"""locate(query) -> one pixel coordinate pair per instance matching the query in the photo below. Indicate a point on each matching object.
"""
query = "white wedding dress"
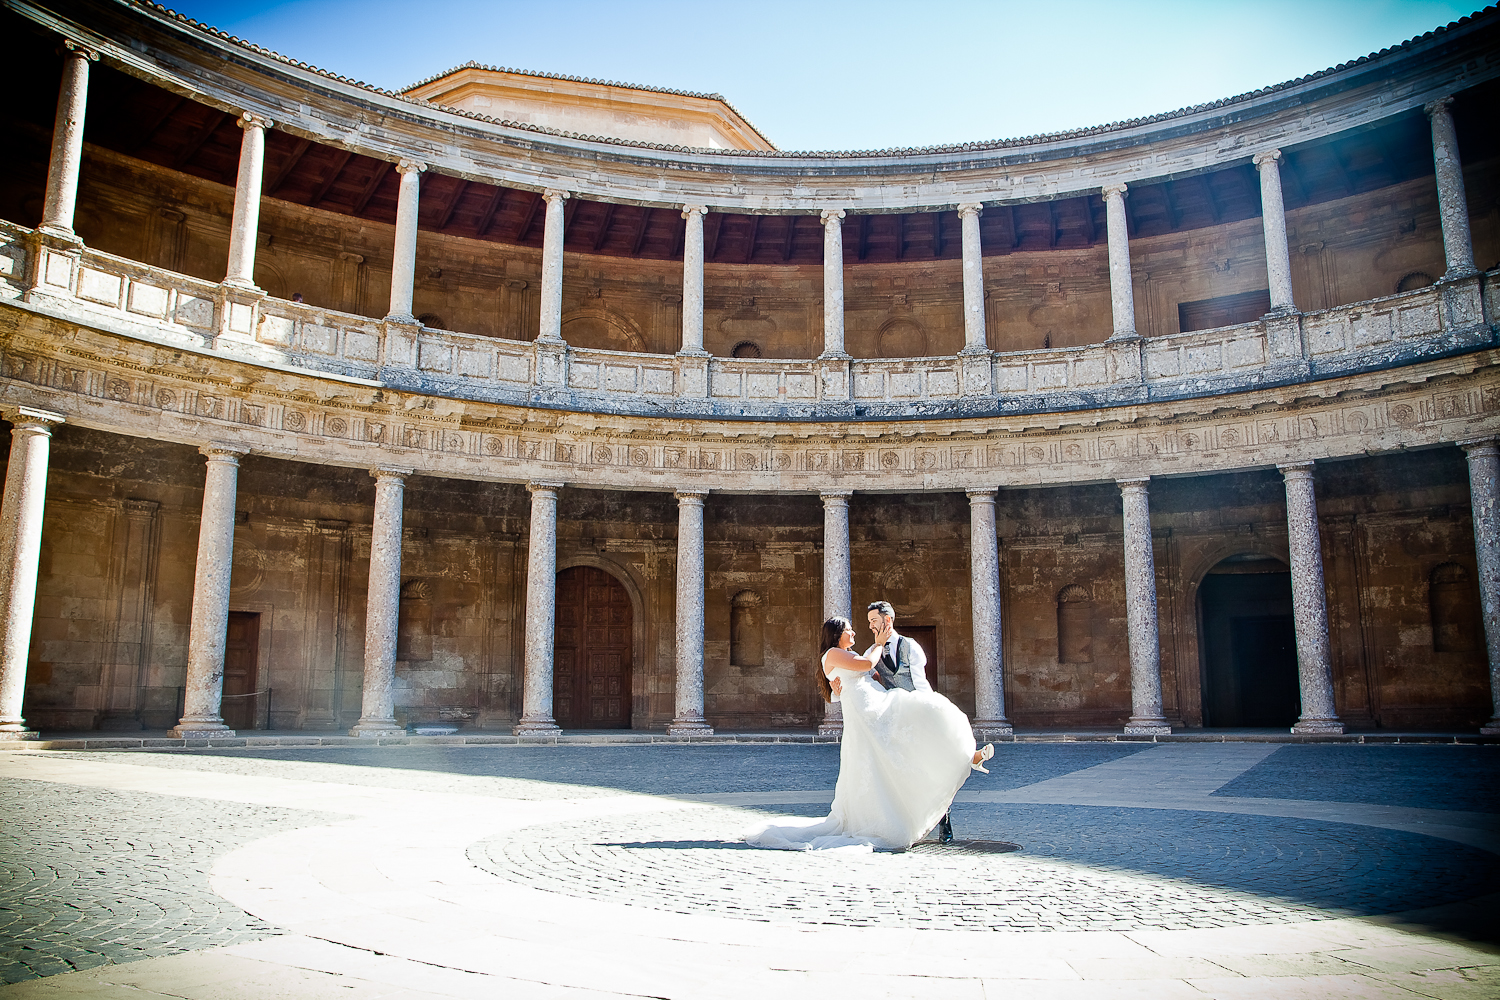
(903, 757)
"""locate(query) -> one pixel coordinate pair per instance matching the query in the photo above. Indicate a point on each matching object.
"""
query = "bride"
(903, 757)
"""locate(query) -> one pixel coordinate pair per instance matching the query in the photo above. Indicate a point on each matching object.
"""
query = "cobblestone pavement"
(1173, 871)
(116, 877)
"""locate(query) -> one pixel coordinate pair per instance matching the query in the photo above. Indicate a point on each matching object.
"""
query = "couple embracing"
(905, 752)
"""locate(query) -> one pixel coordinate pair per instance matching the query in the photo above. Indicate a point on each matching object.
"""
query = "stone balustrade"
(160, 306)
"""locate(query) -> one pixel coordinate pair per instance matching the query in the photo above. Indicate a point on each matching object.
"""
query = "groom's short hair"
(884, 607)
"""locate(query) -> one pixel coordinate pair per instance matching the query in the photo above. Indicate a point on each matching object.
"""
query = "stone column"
(209, 623)
(20, 549)
(377, 713)
(1484, 498)
(984, 576)
(974, 337)
(688, 718)
(1121, 291)
(838, 595)
(833, 284)
(404, 258)
(552, 273)
(1273, 219)
(541, 611)
(67, 142)
(692, 281)
(1453, 206)
(246, 224)
(1140, 612)
(1309, 603)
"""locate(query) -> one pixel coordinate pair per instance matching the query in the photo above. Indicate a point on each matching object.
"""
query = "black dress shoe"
(945, 830)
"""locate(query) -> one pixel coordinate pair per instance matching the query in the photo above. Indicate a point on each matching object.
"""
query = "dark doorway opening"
(591, 651)
(1248, 644)
(241, 702)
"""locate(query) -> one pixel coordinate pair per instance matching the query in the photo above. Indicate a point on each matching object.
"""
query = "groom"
(902, 666)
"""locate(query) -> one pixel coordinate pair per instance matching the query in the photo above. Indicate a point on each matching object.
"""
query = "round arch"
(1245, 636)
(599, 328)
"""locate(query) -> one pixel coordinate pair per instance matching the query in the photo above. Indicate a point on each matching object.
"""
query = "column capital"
(1138, 483)
(1442, 105)
(391, 472)
(1265, 156)
(139, 508)
(688, 211)
(539, 487)
(969, 208)
(690, 496)
(831, 215)
(222, 451)
(1480, 446)
(1295, 470)
(249, 119)
(984, 494)
(835, 496)
(30, 416)
(549, 195)
(78, 50)
(1115, 189)
(410, 166)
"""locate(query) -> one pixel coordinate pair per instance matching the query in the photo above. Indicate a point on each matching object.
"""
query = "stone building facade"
(337, 409)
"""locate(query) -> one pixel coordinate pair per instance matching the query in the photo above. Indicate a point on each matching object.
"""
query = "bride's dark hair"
(833, 631)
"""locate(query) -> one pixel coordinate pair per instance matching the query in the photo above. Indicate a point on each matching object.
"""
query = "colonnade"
(21, 514)
(20, 545)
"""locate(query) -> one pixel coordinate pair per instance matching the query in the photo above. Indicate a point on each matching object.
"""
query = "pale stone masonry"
(1023, 391)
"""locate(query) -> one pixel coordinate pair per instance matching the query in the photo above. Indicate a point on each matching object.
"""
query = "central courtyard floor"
(1095, 870)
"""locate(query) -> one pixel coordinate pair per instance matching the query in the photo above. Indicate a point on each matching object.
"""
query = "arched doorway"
(591, 651)
(1248, 644)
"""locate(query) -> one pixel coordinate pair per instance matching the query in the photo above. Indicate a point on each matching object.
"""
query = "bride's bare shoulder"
(839, 658)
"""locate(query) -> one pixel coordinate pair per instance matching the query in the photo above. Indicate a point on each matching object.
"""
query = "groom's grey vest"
(898, 674)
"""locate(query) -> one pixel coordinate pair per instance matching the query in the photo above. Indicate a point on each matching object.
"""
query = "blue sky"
(871, 75)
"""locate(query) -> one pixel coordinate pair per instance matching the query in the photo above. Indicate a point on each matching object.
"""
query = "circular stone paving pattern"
(1079, 868)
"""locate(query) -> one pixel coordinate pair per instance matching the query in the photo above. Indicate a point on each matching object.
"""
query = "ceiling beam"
(713, 224)
(639, 239)
(452, 205)
(1052, 224)
(679, 233)
(570, 209)
(149, 128)
(294, 156)
(334, 169)
(528, 218)
(791, 233)
(937, 234)
(1174, 217)
(1291, 177)
(1015, 234)
(381, 169)
(863, 239)
(200, 138)
(1090, 231)
(604, 221)
(901, 236)
(487, 217)
(750, 244)
(1209, 199)
(1342, 169)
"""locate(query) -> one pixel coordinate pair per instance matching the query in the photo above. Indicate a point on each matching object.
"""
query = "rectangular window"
(1226, 310)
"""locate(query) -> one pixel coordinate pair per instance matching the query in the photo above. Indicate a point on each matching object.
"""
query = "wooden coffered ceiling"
(140, 120)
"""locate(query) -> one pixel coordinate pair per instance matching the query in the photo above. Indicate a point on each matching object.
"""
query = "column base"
(1123, 336)
(536, 727)
(60, 234)
(1332, 727)
(831, 727)
(18, 735)
(405, 319)
(242, 285)
(187, 730)
(835, 356)
(700, 353)
(992, 729)
(1147, 727)
(689, 727)
(1491, 728)
(376, 727)
(976, 351)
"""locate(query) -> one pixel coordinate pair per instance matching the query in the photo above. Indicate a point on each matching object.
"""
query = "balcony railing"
(160, 306)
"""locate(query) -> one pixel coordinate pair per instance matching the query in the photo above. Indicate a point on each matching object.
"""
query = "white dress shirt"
(918, 660)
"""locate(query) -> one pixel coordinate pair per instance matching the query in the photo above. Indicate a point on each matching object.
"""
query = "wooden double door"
(591, 651)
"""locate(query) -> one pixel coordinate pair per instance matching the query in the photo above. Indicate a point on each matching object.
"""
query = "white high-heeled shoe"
(984, 755)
